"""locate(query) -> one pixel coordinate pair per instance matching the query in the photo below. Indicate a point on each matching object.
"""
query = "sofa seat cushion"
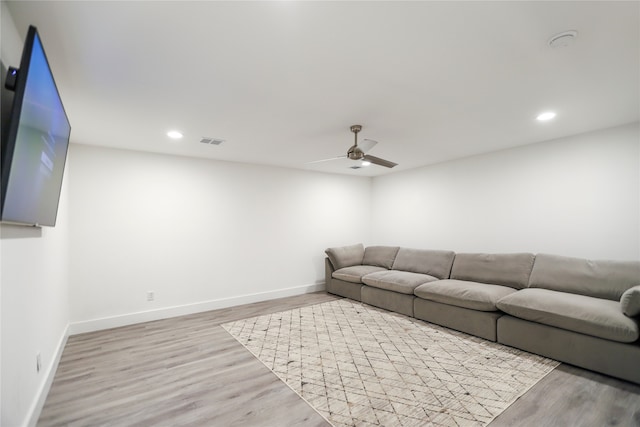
(354, 274)
(403, 282)
(597, 317)
(461, 293)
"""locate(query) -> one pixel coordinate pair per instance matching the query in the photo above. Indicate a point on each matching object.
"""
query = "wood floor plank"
(181, 371)
(570, 396)
(188, 371)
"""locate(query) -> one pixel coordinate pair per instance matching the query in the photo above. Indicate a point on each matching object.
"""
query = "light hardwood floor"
(188, 371)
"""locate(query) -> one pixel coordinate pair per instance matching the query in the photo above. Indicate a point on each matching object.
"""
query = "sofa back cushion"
(424, 261)
(511, 270)
(345, 256)
(599, 279)
(380, 256)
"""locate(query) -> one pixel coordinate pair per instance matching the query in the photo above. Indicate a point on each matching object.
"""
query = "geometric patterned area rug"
(361, 366)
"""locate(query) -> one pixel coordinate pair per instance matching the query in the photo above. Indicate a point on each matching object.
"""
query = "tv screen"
(34, 149)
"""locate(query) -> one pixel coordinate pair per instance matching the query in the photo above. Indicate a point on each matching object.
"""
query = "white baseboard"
(181, 310)
(43, 391)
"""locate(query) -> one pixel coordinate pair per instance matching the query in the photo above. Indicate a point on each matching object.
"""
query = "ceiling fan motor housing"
(355, 153)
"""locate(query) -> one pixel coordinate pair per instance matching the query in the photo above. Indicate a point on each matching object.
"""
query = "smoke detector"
(563, 39)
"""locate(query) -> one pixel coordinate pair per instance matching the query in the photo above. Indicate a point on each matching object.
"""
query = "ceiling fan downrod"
(355, 153)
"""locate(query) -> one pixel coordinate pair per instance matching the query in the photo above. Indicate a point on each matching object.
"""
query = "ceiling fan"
(359, 152)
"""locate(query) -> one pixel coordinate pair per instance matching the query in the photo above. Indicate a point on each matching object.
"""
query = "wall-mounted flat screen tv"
(35, 141)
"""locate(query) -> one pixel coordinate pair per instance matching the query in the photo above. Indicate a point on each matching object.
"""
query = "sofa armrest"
(630, 302)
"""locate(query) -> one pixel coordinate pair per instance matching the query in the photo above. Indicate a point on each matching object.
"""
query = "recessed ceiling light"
(547, 115)
(174, 134)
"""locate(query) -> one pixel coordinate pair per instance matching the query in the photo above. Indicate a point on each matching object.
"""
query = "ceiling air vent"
(212, 141)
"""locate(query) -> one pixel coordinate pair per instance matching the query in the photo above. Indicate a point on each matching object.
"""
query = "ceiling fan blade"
(380, 162)
(326, 160)
(367, 144)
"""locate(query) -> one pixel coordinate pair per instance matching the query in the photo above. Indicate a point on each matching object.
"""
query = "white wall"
(34, 310)
(199, 231)
(576, 196)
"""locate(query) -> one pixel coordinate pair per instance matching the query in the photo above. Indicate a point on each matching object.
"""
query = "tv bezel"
(9, 145)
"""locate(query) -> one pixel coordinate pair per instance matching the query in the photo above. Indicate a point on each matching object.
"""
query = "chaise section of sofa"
(393, 289)
(572, 312)
(467, 301)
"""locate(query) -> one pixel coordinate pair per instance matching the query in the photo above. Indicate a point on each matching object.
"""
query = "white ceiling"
(282, 82)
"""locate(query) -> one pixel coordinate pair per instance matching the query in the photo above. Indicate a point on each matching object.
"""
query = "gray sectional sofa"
(578, 311)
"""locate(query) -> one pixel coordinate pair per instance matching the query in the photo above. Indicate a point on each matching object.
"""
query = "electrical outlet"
(38, 362)
(151, 296)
